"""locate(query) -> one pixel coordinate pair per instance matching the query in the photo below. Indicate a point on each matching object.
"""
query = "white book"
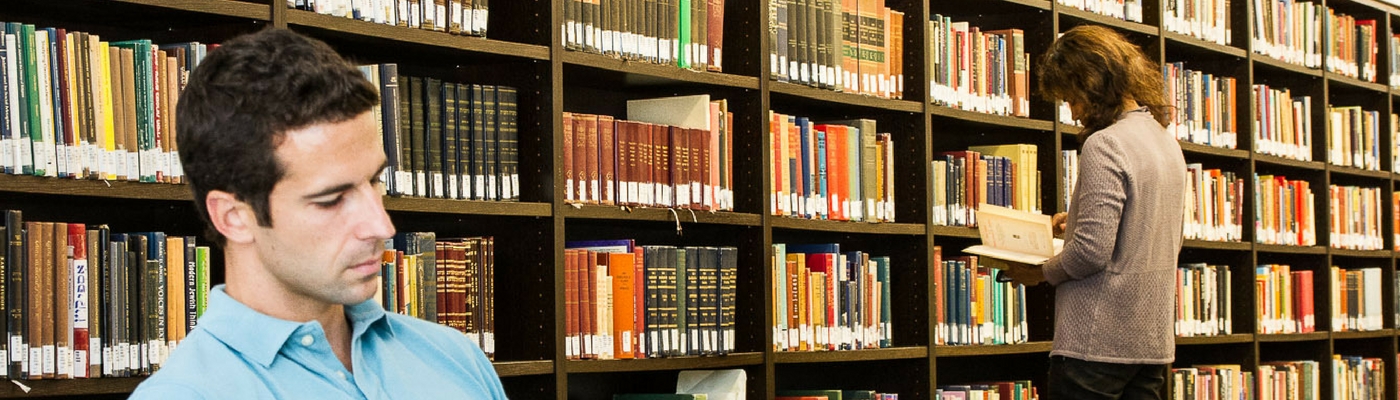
(1013, 235)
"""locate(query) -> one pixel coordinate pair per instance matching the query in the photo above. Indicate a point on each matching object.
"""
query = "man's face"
(328, 219)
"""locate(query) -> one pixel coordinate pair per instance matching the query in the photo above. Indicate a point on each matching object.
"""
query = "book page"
(1015, 235)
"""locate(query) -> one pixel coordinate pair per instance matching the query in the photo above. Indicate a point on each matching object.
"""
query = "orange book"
(568, 125)
(622, 268)
(174, 289)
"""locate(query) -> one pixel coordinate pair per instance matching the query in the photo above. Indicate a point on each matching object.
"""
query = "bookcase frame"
(525, 38)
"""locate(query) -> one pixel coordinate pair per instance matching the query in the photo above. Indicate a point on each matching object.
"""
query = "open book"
(1013, 235)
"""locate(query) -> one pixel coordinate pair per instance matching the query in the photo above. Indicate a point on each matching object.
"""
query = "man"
(283, 154)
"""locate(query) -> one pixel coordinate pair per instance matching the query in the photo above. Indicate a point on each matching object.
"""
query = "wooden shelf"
(70, 387)
(1293, 337)
(660, 215)
(847, 227)
(1207, 340)
(1353, 171)
(1107, 21)
(972, 117)
(643, 73)
(467, 207)
(663, 364)
(1383, 333)
(1203, 149)
(1279, 248)
(441, 40)
(523, 368)
(1356, 83)
(227, 8)
(894, 353)
(95, 188)
(1202, 44)
(1215, 245)
(955, 231)
(1362, 253)
(1288, 162)
(1260, 59)
(1037, 4)
(829, 96)
(970, 351)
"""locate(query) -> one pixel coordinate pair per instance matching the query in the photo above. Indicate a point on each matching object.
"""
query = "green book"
(201, 285)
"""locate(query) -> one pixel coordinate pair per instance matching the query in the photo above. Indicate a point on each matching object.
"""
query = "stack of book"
(447, 140)
(1290, 31)
(1358, 378)
(463, 17)
(1228, 381)
(1282, 123)
(974, 308)
(828, 300)
(1285, 299)
(84, 302)
(838, 170)
(1208, 20)
(1355, 219)
(1214, 204)
(1128, 10)
(1001, 175)
(1283, 211)
(982, 71)
(449, 281)
(1355, 299)
(76, 106)
(1019, 390)
(1354, 138)
(624, 301)
(686, 33)
(1351, 50)
(1204, 106)
(1203, 300)
(853, 46)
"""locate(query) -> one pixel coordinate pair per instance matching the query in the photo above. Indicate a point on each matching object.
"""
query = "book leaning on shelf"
(83, 302)
(1015, 236)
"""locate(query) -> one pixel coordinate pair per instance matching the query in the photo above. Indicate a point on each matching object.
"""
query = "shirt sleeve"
(1098, 202)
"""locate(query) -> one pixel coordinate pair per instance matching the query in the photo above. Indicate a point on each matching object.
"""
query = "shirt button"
(341, 375)
(307, 340)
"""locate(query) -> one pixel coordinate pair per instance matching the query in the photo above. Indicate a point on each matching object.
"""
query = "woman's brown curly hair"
(1097, 68)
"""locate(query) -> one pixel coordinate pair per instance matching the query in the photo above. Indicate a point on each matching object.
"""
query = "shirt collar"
(259, 337)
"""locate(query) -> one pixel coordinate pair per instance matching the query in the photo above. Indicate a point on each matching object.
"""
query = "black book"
(450, 141)
(15, 295)
(432, 139)
(508, 142)
(389, 111)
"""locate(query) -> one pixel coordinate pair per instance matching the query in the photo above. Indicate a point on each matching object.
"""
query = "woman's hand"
(1057, 223)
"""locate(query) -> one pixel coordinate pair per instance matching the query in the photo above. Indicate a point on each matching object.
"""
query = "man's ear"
(233, 218)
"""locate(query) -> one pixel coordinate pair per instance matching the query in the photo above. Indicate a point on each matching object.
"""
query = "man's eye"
(329, 203)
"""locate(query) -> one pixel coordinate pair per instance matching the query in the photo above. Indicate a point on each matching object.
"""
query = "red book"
(607, 160)
(568, 126)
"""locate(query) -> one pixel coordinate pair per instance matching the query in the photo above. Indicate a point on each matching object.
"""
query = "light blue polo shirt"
(238, 353)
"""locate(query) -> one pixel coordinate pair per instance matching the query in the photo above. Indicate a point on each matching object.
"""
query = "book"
(1014, 236)
(726, 384)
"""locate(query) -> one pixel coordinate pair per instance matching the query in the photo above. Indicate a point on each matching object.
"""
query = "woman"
(1114, 280)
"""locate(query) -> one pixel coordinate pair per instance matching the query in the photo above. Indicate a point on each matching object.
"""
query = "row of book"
(1127, 10)
(825, 299)
(1213, 382)
(854, 46)
(837, 170)
(671, 152)
(75, 106)
(84, 302)
(976, 70)
(1205, 106)
(1003, 175)
(1355, 218)
(464, 17)
(1284, 211)
(1214, 204)
(1207, 20)
(448, 281)
(686, 33)
(1287, 30)
(1354, 137)
(1284, 299)
(1005, 390)
(1203, 300)
(715, 384)
(1351, 46)
(1358, 378)
(624, 301)
(1355, 299)
(1290, 380)
(973, 307)
(1282, 123)
(447, 140)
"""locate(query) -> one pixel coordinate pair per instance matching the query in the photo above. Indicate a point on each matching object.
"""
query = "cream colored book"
(1013, 235)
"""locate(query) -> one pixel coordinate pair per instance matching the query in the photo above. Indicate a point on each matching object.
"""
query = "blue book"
(821, 174)
(805, 135)
(603, 246)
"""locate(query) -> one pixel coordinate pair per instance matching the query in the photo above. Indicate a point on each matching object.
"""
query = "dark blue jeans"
(1075, 379)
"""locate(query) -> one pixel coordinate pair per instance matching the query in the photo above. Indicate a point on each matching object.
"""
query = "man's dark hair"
(243, 99)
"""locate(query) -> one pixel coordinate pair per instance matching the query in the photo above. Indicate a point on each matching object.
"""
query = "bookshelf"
(524, 50)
